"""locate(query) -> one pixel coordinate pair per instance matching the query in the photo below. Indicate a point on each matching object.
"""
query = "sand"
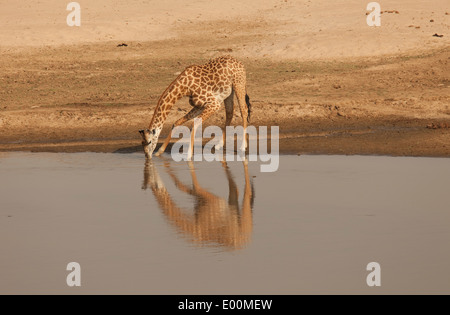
(314, 68)
(282, 29)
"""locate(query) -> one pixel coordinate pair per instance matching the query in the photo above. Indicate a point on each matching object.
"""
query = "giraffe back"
(213, 80)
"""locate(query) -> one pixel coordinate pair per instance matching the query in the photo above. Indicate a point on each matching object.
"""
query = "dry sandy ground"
(332, 83)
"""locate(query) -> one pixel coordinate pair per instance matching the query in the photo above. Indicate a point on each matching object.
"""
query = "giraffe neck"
(171, 95)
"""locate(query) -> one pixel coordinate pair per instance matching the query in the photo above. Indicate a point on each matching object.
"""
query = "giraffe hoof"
(218, 146)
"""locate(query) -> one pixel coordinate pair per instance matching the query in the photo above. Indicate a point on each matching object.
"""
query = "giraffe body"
(208, 86)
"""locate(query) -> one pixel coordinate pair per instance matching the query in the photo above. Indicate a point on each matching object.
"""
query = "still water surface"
(207, 228)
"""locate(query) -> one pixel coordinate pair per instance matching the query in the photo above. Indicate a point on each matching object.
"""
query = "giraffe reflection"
(215, 221)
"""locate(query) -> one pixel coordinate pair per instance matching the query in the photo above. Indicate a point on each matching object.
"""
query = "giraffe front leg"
(244, 142)
(192, 113)
(206, 112)
(191, 144)
(218, 146)
(166, 142)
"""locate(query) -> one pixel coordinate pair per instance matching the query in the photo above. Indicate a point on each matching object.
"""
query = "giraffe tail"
(249, 106)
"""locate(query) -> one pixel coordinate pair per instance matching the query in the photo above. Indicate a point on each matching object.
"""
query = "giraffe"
(208, 86)
(215, 220)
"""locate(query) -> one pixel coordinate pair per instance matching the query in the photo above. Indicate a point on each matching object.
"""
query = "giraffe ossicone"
(208, 86)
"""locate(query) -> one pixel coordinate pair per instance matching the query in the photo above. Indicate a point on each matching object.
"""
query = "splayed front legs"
(201, 113)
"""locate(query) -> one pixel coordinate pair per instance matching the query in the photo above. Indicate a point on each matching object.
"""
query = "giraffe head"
(150, 140)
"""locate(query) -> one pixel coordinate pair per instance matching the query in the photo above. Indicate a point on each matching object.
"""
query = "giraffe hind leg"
(243, 106)
(229, 110)
(207, 111)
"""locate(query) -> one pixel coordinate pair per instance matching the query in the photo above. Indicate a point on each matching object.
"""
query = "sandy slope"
(302, 29)
(44, 23)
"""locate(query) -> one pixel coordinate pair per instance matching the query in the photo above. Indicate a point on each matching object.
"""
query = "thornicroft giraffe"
(208, 87)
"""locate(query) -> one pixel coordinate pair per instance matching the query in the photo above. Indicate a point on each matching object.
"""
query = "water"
(203, 228)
